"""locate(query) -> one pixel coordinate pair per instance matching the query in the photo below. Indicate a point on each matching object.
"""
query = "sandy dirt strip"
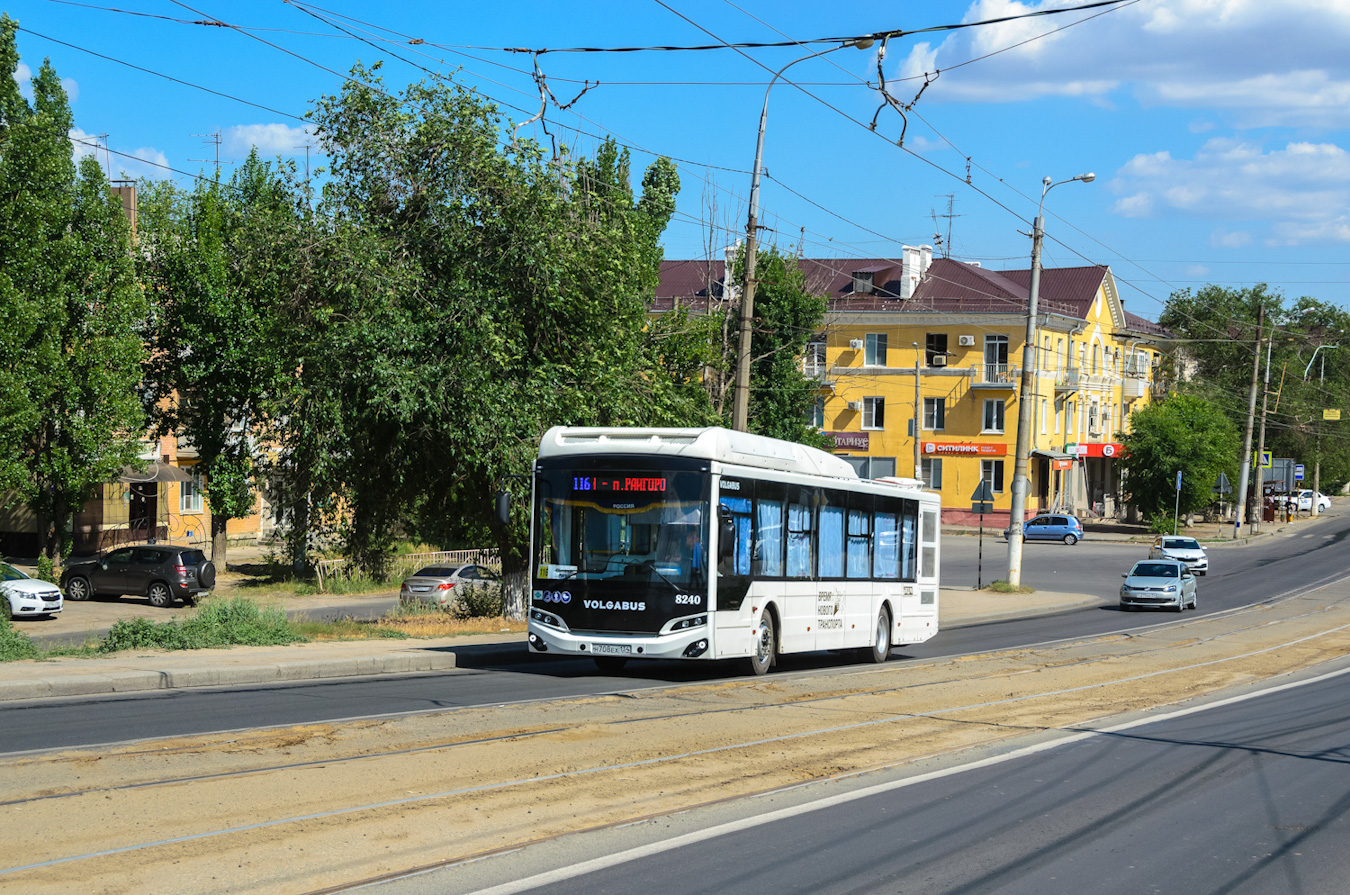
(304, 808)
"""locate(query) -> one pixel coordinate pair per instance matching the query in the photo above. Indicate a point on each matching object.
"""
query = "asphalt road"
(1247, 797)
(1242, 574)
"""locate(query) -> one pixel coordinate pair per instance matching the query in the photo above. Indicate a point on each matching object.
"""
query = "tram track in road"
(1032, 653)
(613, 759)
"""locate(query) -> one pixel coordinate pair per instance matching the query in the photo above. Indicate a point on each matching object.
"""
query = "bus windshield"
(634, 525)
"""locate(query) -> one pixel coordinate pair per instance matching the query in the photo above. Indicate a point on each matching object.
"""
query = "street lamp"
(740, 407)
(1317, 462)
(1021, 483)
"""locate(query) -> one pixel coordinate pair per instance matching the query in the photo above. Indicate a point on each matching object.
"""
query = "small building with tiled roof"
(937, 345)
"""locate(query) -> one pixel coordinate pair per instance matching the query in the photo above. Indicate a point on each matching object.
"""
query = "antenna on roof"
(938, 241)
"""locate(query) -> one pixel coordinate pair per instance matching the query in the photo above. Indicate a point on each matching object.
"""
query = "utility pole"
(1258, 492)
(1243, 477)
(918, 413)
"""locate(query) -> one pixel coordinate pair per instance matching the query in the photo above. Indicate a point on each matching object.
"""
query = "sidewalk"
(247, 665)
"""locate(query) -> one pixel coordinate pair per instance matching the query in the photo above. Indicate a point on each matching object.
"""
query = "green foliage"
(1001, 586)
(1220, 326)
(45, 569)
(478, 601)
(216, 622)
(14, 644)
(1161, 523)
(1183, 433)
(70, 349)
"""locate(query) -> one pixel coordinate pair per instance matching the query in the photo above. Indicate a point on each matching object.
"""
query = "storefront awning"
(153, 471)
(1053, 455)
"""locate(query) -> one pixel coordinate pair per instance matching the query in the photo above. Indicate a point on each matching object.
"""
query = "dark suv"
(162, 572)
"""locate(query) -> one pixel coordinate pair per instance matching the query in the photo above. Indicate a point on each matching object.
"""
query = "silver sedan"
(1157, 584)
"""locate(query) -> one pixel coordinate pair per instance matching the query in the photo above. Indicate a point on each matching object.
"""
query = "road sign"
(983, 493)
(981, 507)
(1263, 460)
(1178, 479)
(1298, 472)
(1222, 486)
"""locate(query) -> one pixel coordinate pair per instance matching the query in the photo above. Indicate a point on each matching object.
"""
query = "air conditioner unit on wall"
(855, 344)
(939, 360)
(966, 341)
(855, 405)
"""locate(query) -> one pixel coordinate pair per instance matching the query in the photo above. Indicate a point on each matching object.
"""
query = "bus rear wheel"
(881, 636)
(766, 645)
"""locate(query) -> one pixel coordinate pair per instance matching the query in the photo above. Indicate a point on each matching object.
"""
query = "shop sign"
(963, 448)
(1108, 450)
(1060, 463)
(852, 441)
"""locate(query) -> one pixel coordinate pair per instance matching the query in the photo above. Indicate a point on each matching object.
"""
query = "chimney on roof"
(914, 263)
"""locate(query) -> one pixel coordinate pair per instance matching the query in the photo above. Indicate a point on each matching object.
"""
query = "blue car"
(1051, 527)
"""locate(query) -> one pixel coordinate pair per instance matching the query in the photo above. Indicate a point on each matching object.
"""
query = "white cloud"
(1302, 189)
(72, 88)
(270, 139)
(1260, 63)
(1221, 238)
(130, 164)
(24, 75)
(1197, 271)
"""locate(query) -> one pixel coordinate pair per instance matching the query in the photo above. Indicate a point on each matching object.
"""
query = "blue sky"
(1218, 129)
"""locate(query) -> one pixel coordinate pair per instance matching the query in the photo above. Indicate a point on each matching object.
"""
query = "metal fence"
(403, 565)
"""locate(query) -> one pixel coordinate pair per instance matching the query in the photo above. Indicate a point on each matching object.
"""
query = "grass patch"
(15, 644)
(1003, 587)
(217, 622)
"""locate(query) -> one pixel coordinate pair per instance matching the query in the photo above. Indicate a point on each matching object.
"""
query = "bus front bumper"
(692, 643)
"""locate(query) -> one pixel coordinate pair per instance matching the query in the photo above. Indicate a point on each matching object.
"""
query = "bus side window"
(799, 541)
(737, 561)
(887, 550)
(909, 546)
(832, 542)
(769, 537)
(859, 544)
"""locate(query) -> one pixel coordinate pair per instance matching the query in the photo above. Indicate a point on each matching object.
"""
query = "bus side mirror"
(726, 533)
(504, 508)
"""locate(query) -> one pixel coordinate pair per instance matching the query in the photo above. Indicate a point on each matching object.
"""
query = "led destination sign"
(620, 484)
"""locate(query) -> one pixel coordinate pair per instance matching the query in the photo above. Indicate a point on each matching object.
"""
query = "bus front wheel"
(766, 644)
(881, 636)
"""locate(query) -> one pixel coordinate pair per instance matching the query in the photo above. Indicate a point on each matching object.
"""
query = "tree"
(71, 416)
(460, 294)
(1186, 434)
(786, 315)
(214, 263)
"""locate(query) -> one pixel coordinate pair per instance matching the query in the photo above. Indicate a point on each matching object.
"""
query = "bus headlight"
(697, 648)
(547, 618)
(685, 624)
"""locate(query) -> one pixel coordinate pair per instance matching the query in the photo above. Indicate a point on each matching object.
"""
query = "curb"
(134, 681)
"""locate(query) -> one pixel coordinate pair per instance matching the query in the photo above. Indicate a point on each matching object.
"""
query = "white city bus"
(628, 523)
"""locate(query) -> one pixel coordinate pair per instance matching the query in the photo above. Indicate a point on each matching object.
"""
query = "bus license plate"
(612, 649)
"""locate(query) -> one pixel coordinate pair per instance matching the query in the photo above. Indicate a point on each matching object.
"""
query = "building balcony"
(996, 376)
(1132, 388)
(1069, 379)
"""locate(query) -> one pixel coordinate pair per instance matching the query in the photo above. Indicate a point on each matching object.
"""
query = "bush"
(217, 622)
(14, 644)
(45, 570)
(478, 601)
(1162, 524)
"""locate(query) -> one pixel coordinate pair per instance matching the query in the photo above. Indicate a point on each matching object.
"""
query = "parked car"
(1187, 550)
(28, 597)
(435, 584)
(1051, 527)
(1312, 501)
(1158, 583)
(162, 573)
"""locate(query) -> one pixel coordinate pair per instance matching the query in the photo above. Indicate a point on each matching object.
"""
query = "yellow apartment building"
(935, 346)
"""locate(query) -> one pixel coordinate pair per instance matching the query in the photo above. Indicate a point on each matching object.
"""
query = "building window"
(992, 472)
(935, 414)
(931, 470)
(874, 413)
(995, 358)
(1093, 428)
(190, 495)
(874, 354)
(1043, 416)
(862, 282)
(813, 363)
(993, 415)
(816, 415)
(935, 346)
